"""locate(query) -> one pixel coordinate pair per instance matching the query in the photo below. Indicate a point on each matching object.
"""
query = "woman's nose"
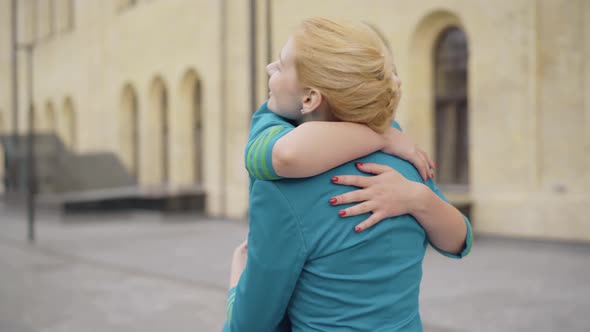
(397, 80)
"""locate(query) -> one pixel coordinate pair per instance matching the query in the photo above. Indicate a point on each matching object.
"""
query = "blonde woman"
(304, 266)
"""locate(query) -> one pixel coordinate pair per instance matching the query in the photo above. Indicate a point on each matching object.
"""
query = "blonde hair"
(352, 67)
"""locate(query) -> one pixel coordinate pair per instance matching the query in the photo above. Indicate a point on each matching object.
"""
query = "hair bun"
(352, 66)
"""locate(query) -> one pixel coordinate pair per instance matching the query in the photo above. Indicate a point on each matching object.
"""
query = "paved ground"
(147, 272)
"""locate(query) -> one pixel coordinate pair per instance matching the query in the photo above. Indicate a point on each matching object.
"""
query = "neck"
(320, 114)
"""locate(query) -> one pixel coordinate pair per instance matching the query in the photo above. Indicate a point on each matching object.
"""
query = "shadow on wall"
(59, 170)
(88, 182)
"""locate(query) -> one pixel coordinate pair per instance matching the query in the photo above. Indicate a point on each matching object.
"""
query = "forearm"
(235, 274)
(238, 264)
(315, 147)
(443, 223)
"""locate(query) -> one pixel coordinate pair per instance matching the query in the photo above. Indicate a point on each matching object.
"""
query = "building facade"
(498, 92)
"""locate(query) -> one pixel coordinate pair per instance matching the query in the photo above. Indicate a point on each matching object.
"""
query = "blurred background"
(123, 125)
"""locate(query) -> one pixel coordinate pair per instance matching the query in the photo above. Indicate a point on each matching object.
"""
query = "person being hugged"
(302, 268)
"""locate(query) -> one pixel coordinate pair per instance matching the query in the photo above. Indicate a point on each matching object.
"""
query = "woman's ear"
(311, 100)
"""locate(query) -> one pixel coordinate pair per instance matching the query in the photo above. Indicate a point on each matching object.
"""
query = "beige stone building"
(497, 91)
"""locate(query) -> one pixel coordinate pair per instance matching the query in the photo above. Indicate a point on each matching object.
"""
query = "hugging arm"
(276, 255)
(315, 147)
(277, 149)
(449, 231)
(389, 194)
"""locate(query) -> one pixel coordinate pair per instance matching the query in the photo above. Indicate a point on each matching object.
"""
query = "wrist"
(420, 196)
(385, 138)
(236, 271)
(383, 143)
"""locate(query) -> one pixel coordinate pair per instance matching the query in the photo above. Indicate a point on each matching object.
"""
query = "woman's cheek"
(272, 82)
(272, 104)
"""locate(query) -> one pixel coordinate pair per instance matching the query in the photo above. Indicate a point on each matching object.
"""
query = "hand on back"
(402, 145)
(386, 194)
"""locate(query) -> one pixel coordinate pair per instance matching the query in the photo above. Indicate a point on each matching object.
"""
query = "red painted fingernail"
(358, 164)
(357, 229)
(334, 179)
(342, 213)
(333, 201)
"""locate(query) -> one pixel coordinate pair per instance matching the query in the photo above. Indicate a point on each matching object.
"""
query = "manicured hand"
(401, 145)
(386, 194)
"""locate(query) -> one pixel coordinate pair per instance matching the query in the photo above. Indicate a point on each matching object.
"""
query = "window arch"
(159, 129)
(451, 107)
(129, 129)
(47, 122)
(45, 20)
(34, 118)
(2, 129)
(68, 131)
(121, 5)
(192, 125)
(64, 15)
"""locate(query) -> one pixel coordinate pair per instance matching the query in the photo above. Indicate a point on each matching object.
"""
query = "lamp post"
(30, 147)
(30, 159)
(13, 182)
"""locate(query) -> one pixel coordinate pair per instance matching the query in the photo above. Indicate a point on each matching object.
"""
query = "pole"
(223, 103)
(268, 31)
(30, 146)
(14, 167)
(31, 183)
(253, 56)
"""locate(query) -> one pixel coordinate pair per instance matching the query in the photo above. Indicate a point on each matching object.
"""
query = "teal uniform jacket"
(306, 266)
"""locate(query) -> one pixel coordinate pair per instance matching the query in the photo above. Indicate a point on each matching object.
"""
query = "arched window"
(64, 14)
(44, 15)
(48, 122)
(129, 129)
(2, 129)
(165, 132)
(160, 128)
(191, 126)
(68, 128)
(198, 131)
(35, 118)
(121, 5)
(451, 107)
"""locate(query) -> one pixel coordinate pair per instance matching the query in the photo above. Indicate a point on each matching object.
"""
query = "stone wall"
(528, 92)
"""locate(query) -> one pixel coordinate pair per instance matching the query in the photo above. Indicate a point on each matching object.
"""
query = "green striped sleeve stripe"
(250, 160)
(231, 298)
(230, 305)
(263, 159)
(254, 152)
(257, 162)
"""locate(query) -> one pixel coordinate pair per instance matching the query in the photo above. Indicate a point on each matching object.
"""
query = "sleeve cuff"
(231, 297)
(259, 156)
(466, 246)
